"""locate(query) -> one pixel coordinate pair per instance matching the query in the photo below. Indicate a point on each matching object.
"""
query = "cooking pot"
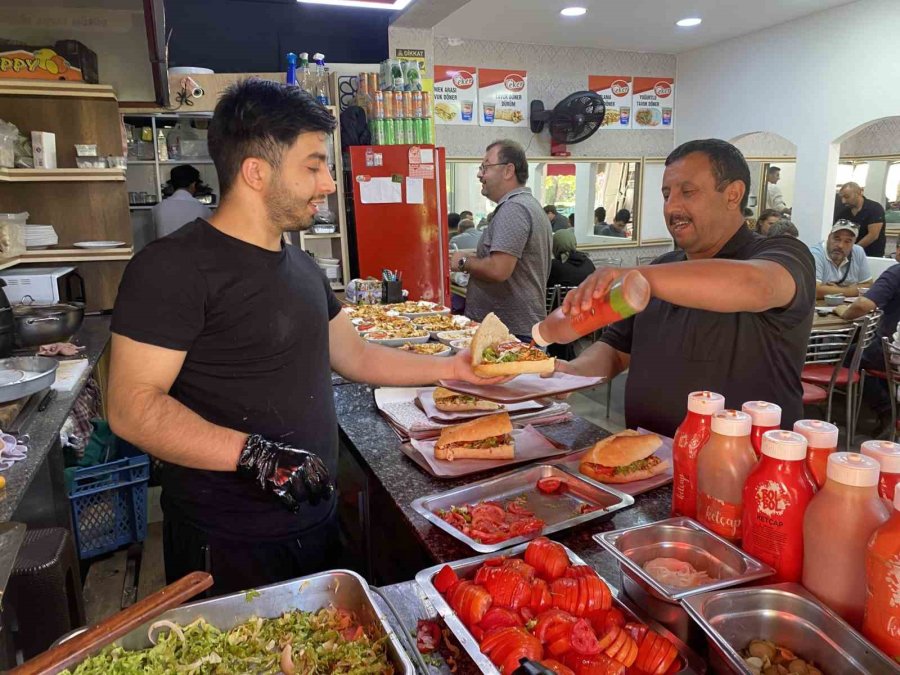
(43, 324)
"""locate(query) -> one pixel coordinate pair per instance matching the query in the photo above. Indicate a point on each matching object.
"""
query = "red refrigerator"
(400, 208)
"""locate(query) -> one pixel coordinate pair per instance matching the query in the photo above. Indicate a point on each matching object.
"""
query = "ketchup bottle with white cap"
(776, 495)
(822, 439)
(838, 524)
(691, 435)
(722, 469)
(882, 617)
(887, 455)
(765, 416)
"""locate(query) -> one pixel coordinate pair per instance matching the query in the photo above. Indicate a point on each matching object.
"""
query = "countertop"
(371, 438)
(43, 428)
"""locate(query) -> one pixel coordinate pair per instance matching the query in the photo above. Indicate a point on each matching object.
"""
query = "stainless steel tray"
(686, 540)
(26, 375)
(341, 588)
(466, 568)
(557, 510)
(790, 616)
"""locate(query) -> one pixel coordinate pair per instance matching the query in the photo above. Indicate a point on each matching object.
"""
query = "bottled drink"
(776, 495)
(838, 524)
(691, 435)
(291, 76)
(887, 455)
(822, 438)
(321, 80)
(626, 297)
(304, 77)
(766, 417)
(881, 624)
(362, 93)
(722, 469)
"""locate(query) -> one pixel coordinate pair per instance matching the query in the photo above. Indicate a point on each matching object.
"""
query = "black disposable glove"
(294, 476)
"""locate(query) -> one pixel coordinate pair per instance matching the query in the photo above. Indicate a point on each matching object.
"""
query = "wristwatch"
(461, 265)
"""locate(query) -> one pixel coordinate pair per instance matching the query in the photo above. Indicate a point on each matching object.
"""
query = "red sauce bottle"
(822, 439)
(881, 623)
(887, 455)
(691, 435)
(776, 495)
(765, 417)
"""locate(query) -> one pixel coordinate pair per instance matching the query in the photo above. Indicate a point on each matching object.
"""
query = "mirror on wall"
(880, 180)
(577, 188)
(776, 186)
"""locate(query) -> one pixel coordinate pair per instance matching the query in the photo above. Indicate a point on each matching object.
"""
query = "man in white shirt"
(181, 208)
(774, 197)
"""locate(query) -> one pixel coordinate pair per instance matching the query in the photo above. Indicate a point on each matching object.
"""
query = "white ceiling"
(632, 25)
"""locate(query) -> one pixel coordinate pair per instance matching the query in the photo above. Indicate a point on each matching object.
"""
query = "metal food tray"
(790, 616)
(688, 541)
(27, 375)
(691, 663)
(556, 510)
(341, 588)
(396, 342)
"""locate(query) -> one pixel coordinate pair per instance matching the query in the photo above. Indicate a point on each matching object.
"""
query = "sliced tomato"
(508, 645)
(520, 566)
(444, 579)
(526, 613)
(636, 630)
(541, 599)
(559, 638)
(494, 562)
(455, 519)
(549, 486)
(547, 557)
(507, 587)
(614, 617)
(526, 526)
(519, 509)
(489, 511)
(470, 602)
(656, 654)
(499, 617)
(621, 646)
(546, 620)
(557, 667)
(428, 636)
(565, 594)
(576, 571)
(598, 664)
(583, 639)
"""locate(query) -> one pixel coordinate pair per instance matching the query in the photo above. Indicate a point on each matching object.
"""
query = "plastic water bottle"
(321, 80)
(291, 77)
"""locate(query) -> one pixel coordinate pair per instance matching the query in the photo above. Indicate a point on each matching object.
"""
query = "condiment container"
(691, 435)
(765, 417)
(837, 526)
(881, 624)
(887, 455)
(822, 440)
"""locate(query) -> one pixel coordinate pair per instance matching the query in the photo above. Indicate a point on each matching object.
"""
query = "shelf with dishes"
(60, 175)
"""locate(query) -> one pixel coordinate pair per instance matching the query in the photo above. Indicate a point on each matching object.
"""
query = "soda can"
(426, 105)
(388, 106)
(373, 83)
(378, 112)
(407, 105)
(417, 104)
(373, 130)
(399, 132)
(409, 127)
(419, 128)
(398, 103)
(388, 132)
(429, 136)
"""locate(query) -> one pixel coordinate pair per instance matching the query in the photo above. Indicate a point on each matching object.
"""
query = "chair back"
(645, 259)
(868, 332)
(609, 262)
(552, 297)
(831, 347)
(891, 366)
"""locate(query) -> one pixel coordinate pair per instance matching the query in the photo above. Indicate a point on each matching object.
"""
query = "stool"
(44, 590)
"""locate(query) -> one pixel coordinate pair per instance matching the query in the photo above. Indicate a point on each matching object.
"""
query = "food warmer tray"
(21, 376)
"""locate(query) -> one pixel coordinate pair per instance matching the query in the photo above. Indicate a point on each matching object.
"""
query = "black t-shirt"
(885, 293)
(254, 324)
(572, 272)
(742, 355)
(871, 212)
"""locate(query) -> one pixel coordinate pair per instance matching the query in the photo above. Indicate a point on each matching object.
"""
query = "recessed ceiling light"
(687, 23)
(574, 11)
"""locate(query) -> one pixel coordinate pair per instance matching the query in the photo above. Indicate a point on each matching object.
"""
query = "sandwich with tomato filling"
(451, 401)
(496, 352)
(624, 458)
(487, 437)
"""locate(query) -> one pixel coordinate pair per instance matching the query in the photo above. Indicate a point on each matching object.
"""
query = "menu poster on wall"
(502, 97)
(615, 90)
(654, 103)
(455, 95)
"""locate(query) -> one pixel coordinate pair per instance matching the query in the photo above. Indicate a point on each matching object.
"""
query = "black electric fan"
(573, 120)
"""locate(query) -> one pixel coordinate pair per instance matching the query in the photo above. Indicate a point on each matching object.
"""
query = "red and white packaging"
(502, 97)
(691, 435)
(456, 95)
(616, 91)
(654, 103)
(887, 455)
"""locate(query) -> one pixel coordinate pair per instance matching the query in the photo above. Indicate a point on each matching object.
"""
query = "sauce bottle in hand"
(882, 615)
(887, 455)
(765, 417)
(822, 439)
(691, 435)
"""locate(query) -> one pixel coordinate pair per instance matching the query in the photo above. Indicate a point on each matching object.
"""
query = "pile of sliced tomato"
(489, 522)
(544, 609)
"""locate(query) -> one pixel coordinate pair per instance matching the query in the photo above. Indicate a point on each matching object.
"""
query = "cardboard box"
(64, 60)
(43, 144)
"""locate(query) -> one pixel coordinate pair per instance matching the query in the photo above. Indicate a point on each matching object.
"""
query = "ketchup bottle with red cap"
(765, 417)
(887, 455)
(691, 435)
(822, 439)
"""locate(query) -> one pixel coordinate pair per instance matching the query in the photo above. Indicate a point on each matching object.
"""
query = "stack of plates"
(40, 236)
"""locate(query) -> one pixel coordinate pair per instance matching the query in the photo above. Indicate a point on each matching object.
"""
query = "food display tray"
(558, 511)
(396, 342)
(788, 615)
(525, 387)
(690, 662)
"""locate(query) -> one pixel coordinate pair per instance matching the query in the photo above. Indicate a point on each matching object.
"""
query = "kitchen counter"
(376, 447)
(35, 506)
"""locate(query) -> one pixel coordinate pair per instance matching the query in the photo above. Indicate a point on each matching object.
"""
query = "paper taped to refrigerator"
(380, 191)
(415, 191)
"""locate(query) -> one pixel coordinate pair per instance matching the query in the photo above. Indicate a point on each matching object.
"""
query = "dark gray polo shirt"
(742, 355)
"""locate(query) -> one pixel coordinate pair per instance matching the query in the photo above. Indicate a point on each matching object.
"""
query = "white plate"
(396, 342)
(447, 351)
(448, 336)
(98, 244)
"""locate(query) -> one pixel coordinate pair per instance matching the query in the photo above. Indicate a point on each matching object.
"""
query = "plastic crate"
(109, 503)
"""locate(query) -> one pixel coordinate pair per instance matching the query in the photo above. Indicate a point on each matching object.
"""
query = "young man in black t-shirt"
(223, 344)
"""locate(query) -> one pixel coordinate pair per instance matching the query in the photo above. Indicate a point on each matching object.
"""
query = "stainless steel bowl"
(43, 324)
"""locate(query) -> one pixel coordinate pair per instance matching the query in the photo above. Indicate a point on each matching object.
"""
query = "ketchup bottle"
(881, 624)
(722, 469)
(838, 524)
(691, 435)
(776, 495)
(887, 455)
(765, 417)
(822, 440)
(626, 297)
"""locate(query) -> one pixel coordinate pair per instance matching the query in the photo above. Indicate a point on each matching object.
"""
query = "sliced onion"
(164, 623)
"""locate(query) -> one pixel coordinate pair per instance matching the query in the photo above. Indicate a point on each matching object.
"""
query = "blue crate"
(109, 503)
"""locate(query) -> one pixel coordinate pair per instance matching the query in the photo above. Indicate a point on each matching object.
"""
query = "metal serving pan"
(690, 662)
(21, 376)
(341, 588)
(790, 616)
(686, 540)
(558, 511)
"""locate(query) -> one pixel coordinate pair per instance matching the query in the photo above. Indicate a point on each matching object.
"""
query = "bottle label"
(772, 499)
(688, 440)
(723, 518)
(882, 619)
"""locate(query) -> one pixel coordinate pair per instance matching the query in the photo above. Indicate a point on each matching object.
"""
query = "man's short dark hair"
(728, 164)
(465, 214)
(512, 153)
(465, 225)
(453, 221)
(183, 176)
(600, 213)
(782, 227)
(622, 216)
(768, 213)
(259, 118)
(550, 209)
(772, 169)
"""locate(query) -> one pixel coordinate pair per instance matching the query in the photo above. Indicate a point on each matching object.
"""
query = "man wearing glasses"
(508, 273)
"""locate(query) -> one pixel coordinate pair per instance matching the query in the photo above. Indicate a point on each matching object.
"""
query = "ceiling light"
(366, 4)
(691, 21)
(574, 11)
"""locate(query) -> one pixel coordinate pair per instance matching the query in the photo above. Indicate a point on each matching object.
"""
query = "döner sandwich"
(484, 438)
(623, 458)
(451, 401)
(495, 352)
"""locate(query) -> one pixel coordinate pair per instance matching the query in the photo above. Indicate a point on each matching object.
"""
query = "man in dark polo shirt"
(868, 214)
(731, 311)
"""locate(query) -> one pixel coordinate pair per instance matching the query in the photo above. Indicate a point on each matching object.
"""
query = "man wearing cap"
(181, 207)
(841, 263)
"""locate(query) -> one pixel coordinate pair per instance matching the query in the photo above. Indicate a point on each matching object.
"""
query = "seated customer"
(600, 220)
(557, 220)
(468, 237)
(841, 265)
(569, 266)
(783, 226)
(617, 227)
(766, 219)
